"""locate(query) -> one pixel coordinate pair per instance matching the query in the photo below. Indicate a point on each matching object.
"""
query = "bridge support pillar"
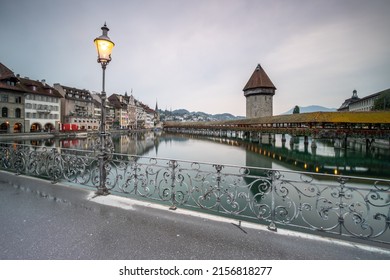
(283, 140)
(306, 143)
(294, 140)
(313, 144)
(353, 145)
(253, 137)
(337, 143)
(273, 139)
(369, 143)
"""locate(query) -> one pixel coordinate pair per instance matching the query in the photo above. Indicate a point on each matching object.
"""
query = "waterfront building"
(78, 108)
(97, 110)
(364, 104)
(27, 105)
(42, 106)
(12, 119)
(360, 104)
(345, 106)
(120, 105)
(130, 113)
(259, 92)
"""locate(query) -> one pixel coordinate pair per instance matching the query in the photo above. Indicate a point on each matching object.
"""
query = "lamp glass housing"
(104, 49)
(104, 46)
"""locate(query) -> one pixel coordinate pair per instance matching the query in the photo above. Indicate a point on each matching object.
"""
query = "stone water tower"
(259, 92)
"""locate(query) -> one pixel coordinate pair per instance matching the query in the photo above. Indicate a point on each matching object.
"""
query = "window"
(4, 112)
(18, 113)
(11, 83)
(4, 98)
(18, 100)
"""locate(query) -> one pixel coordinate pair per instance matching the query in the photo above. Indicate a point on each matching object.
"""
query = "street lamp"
(104, 47)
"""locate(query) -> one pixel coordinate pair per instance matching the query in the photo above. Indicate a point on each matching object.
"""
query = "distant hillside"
(310, 109)
(183, 114)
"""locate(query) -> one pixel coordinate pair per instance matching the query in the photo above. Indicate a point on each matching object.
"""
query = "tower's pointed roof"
(259, 79)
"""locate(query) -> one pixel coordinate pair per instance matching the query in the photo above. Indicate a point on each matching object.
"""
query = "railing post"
(105, 154)
(173, 164)
(342, 182)
(272, 225)
(53, 166)
(218, 168)
(102, 188)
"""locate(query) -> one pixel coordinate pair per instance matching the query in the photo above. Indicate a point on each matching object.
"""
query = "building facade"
(345, 106)
(27, 105)
(131, 113)
(78, 109)
(259, 92)
(42, 106)
(360, 104)
(12, 118)
(32, 106)
(364, 104)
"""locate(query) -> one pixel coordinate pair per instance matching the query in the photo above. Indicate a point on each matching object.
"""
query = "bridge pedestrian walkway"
(39, 220)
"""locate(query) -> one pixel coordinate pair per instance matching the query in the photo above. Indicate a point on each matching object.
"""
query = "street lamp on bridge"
(104, 47)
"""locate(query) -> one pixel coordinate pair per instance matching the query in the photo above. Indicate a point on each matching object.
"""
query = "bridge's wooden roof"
(327, 117)
(376, 117)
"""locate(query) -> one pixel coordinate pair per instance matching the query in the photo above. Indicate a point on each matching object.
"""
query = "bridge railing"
(339, 205)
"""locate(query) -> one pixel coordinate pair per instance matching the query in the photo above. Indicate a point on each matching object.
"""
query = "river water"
(289, 155)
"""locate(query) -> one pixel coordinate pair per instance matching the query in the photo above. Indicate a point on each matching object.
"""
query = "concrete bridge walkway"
(39, 220)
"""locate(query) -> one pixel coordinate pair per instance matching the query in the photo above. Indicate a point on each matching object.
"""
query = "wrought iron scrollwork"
(341, 205)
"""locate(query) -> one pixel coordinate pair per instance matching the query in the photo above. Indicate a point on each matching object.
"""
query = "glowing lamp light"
(104, 46)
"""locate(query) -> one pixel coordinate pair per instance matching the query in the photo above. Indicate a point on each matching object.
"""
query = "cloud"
(199, 55)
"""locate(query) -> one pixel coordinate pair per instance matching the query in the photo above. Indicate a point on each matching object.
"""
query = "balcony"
(44, 111)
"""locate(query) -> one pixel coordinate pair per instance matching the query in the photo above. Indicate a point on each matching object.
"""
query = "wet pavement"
(39, 220)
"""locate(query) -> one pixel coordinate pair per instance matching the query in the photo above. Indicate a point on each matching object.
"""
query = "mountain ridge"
(187, 115)
(310, 109)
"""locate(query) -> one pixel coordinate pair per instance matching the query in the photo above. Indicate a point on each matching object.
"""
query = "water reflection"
(280, 153)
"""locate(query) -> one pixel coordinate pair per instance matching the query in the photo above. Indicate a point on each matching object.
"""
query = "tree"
(382, 103)
(296, 110)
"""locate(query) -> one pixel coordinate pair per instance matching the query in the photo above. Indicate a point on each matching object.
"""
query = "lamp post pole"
(104, 47)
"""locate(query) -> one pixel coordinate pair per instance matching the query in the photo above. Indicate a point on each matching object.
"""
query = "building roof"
(24, 85)
(5, 72)
(259, 79)
(348, 101)
(38, 87)
(114, 100)
(6, 77)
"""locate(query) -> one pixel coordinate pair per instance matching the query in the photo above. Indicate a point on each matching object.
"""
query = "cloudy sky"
(198, 55)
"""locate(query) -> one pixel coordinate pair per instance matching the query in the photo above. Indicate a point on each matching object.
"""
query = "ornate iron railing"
(348, 206)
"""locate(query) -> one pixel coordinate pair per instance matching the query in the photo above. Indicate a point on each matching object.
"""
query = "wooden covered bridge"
(340, 125)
